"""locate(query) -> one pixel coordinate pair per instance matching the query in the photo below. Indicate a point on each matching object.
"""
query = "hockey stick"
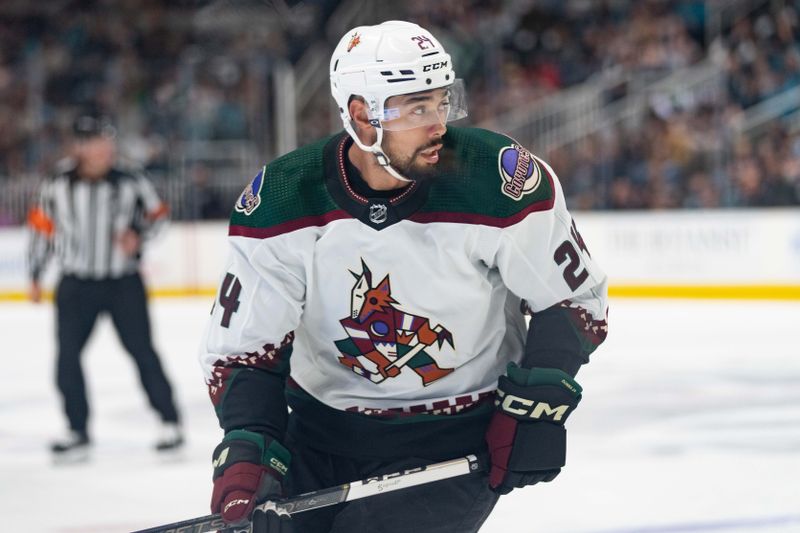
(375, 377)
(342, 493)
(399, 363)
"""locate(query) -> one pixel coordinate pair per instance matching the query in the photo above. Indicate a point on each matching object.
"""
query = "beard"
(411, 166)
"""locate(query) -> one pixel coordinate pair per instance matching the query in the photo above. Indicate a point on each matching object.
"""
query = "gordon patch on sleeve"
(520, 173)
(251, 197)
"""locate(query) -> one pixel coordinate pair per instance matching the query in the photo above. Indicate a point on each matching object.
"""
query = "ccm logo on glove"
(526, 438)
(234, 502)
(248, 468)
(523, 407)
(279, 466)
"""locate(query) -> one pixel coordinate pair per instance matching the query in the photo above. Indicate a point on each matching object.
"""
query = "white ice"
(690, 422)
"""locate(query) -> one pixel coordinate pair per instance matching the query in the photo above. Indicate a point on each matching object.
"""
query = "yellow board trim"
(182, 293)
(700, 292)
(708, 292)
(16, 296)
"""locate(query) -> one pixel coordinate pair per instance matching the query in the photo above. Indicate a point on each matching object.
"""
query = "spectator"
(174, 72)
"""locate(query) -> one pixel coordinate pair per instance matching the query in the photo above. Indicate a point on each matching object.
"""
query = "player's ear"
(358, 113)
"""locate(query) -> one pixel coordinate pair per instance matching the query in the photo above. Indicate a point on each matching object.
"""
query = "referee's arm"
(42, 231)
(153, 214)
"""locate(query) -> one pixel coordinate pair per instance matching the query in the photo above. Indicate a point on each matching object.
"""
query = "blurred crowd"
(691, 154)
(680, 161)
(168, 71)
(515, 52)
(176, 72)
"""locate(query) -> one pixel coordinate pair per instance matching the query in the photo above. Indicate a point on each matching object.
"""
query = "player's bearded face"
(413, 130)
(413, 153)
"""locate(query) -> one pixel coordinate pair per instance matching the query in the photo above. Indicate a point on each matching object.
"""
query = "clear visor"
(425, 108)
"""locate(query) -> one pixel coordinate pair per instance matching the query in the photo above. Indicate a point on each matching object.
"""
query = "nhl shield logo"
(251, 197)
(378, 213)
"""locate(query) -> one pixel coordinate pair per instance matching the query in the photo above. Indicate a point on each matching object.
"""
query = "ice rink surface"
(690, 422)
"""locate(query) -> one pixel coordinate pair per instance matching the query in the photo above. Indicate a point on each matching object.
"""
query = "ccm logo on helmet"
(517, 406)
(434, 66)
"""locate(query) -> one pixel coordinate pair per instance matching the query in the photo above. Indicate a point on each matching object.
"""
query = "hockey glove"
(248, 469)
(272, 520)
(526, 437)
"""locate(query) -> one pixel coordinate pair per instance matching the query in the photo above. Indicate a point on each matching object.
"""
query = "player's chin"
(419, 168)
(418, 173)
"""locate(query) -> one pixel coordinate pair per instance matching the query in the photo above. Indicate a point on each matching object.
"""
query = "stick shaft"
(400, 363)
(342, 493)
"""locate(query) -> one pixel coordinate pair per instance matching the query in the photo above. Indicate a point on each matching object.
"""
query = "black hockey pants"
(78, 303)
(457, 505)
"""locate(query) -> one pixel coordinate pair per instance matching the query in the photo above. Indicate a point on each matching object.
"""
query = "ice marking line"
(712, 526)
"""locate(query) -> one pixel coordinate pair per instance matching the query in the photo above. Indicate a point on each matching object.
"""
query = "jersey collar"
(376, 211)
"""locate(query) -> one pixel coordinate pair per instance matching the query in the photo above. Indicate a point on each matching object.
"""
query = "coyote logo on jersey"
(382, 339)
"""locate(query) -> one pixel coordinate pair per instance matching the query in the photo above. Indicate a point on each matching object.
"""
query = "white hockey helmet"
(390, 59)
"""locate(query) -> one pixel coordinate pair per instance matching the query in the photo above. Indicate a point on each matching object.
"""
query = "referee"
(93, 216)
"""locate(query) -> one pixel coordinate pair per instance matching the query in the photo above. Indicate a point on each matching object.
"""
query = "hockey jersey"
(391, 310)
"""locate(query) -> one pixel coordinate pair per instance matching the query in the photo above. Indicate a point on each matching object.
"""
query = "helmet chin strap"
(376, 150)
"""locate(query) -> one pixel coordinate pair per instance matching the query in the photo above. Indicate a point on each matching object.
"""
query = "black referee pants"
(78, 304)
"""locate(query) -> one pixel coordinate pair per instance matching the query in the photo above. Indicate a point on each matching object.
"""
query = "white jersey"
(407, 304)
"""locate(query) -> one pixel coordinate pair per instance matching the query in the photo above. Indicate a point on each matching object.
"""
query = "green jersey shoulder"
(485, 178)
(289, 188)
(490, 174)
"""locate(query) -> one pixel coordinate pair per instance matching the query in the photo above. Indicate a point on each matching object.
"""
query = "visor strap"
(383, 159)
(375, 149)
(390, 169)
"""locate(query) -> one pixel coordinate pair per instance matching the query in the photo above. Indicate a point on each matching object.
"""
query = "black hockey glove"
(272, 520)
(526, 436)
(249, 469)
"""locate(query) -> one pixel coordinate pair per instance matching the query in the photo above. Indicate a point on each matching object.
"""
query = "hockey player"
(394, 263)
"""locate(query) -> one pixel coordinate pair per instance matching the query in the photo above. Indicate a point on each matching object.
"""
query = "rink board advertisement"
(724, 253)
(718, 254)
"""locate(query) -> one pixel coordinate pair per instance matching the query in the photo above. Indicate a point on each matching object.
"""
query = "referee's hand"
(35, 292)
(129, 242)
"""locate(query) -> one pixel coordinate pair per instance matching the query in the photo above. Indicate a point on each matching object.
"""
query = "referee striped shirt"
(80, 222)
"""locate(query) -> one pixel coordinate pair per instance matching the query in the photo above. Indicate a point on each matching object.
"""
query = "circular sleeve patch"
(519, 171)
